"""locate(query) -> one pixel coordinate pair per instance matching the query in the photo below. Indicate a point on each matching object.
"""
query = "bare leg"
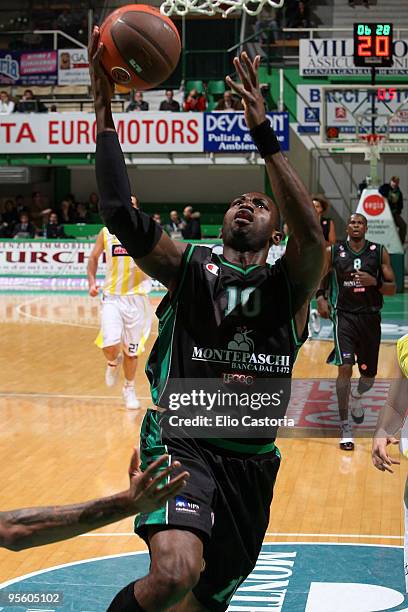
(343, 385)
(176, 558)
(111, 352)
(129, 367)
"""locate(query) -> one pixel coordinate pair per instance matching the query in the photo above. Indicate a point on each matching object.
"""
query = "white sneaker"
(346, 440)
(129, 395)
(357, 409)
(112, 372)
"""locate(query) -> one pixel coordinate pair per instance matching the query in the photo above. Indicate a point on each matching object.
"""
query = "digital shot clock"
(373, 45)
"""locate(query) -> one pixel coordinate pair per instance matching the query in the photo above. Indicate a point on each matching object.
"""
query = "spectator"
(24, 229)
(392, 192)
(229, 102)
(38, 208)
(157, 218)
(170, 104)
(20, 205)
(175, 226)
(301, 16)
(195, 102)
(29, 103)
(82, 214)
(321, 206)
(6, 105)
(191, 229)
(66, 212)
(93, 202)
(267, 19)
(53, 229)
(9, 219)
(138, 103)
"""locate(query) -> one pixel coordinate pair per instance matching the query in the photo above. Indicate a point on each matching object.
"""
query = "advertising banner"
(76, 132)
(28, 68)
(322, 57)
(342, 103)
(226, 132)
(73, 67)
(381, 226)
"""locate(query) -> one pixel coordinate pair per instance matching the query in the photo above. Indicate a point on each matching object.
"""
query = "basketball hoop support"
(372, 154)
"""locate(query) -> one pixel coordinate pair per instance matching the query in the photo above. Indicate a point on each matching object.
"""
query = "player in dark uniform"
(352, 295)
(224, 315)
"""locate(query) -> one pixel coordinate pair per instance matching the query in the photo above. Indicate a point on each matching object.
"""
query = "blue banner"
(28, 67)
(227, 132)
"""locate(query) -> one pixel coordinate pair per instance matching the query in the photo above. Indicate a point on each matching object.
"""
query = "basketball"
(141, 46)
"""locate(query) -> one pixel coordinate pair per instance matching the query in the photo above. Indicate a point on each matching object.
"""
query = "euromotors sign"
(322, 57)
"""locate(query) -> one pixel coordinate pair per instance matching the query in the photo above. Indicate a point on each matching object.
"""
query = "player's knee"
(176, 574)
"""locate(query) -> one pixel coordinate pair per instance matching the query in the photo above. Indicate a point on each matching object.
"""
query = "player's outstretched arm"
(388, 286)
(156, 254)
(92, 267)
(148, 491)
(305, 250)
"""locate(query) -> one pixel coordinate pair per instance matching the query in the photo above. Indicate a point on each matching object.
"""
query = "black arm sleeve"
(138, 233)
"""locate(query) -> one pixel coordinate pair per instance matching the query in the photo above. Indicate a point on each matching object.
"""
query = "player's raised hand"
(248, 89)
(381, 459)
(150, 490)
(102, 86)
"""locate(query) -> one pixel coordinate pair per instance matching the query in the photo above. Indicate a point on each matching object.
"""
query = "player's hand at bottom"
(381, 459)
(93, 290)
(149, 490)
(323, 307)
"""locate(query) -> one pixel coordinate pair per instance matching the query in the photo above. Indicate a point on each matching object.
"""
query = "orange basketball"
(141, 46)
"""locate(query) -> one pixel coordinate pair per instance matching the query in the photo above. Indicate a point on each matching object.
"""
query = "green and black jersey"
(346, 294)
(222, 320)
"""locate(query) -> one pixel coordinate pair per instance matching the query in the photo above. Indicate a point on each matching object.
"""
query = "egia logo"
(374, 205)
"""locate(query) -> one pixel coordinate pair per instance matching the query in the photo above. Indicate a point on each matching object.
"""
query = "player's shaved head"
(250, 222)
(358, 216)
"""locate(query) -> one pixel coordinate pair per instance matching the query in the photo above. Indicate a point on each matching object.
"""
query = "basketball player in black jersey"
(222, 315)
(352, 295)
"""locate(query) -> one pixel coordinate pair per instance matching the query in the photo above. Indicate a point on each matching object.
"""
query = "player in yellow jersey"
(392, 419)
(126, 310)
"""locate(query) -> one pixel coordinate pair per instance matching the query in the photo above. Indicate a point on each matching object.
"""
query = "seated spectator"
(82, 214)
(175, 226)
(157, 218)
(6, 105)
(195, 102)
(38, 208)
(24, 229)
(191, 227)
(169, 104)
(9, 218)
(301, 16)
(392, 192)
(138, 104)
(66, 214)
(20, 204)
(268, 19)
(29, 103)
(321, 206)
(53, 229)
(93, 202)
(229, 102)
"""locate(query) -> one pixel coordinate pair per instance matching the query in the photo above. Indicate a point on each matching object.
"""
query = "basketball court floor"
(334, 542)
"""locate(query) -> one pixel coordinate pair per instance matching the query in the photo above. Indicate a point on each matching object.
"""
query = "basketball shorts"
(357, 339)
(125, 320)
(227, 499)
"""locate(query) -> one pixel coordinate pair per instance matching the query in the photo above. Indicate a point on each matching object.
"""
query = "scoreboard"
(373, 45)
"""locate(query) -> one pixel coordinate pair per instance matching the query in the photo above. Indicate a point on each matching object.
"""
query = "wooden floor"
(65, 438)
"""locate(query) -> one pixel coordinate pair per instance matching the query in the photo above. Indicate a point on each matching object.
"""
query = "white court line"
(267, 534)
(66, 396)
(21, 312)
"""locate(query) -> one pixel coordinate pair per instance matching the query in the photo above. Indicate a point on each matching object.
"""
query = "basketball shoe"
(346, 439)
(129, 395)
(357, 410)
